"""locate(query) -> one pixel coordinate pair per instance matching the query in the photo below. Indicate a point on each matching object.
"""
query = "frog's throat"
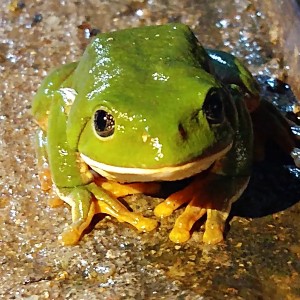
(178, 172)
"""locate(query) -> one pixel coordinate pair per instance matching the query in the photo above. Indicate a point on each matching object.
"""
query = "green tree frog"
(145, 105)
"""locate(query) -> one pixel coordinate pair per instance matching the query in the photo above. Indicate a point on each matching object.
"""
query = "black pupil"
(104, 123)
(213, 107)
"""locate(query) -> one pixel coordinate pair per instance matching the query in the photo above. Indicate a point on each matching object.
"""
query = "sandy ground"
(260, 257)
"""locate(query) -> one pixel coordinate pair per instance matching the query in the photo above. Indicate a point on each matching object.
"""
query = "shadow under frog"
(273, 187)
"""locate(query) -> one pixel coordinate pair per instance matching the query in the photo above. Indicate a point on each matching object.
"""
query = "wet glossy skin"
(162, 109)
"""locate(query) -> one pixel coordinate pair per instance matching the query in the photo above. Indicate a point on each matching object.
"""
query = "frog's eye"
(213, 107)
(104, 123)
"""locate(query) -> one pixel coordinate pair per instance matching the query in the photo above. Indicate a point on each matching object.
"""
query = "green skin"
(159, 92)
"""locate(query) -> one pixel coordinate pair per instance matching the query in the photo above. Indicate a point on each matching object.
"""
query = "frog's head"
(155, 114)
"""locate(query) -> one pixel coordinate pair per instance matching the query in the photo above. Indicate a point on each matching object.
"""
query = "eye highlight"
(213, 107)
(104, 123)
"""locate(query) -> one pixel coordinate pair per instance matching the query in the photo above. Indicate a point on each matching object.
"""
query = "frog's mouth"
(172, 173)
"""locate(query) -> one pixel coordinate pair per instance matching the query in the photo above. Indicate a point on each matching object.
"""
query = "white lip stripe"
(123, 174)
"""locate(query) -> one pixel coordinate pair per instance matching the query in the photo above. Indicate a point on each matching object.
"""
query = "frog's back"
(142, 64)
(145, 46)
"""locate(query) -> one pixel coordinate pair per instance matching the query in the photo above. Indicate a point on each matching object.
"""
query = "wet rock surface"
(260, 256)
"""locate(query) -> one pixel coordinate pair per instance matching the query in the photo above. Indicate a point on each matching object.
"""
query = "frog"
(147, 105)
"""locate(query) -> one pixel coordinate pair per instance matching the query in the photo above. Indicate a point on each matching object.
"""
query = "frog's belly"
(123, 174)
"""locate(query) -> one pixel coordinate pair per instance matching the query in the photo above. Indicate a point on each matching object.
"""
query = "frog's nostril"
(182, 131)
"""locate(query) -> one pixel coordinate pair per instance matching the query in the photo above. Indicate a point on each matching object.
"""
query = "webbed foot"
(110, 205)
(212, 196)
(86, 201)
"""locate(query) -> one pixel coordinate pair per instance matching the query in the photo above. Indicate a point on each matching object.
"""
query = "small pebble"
(37, 19)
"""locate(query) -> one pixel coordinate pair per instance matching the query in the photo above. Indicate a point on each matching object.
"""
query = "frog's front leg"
(211, 195)
(108, 204)
(74, 182)
(83, 210)
(86, 201)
